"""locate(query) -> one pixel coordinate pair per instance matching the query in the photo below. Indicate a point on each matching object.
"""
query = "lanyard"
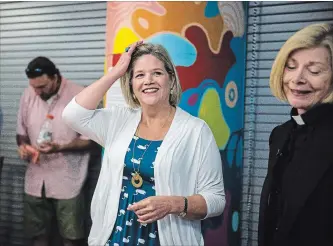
(52, 104)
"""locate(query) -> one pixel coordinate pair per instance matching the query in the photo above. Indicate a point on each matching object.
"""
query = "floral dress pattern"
(127, 230)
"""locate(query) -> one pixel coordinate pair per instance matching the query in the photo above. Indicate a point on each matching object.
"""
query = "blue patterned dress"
(127, 230)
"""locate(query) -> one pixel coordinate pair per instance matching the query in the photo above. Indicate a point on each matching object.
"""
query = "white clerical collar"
(298, 119)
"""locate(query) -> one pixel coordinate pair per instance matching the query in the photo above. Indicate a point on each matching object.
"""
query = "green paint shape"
(210, 111)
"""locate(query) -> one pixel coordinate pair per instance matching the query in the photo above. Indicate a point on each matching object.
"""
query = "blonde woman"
(161, 172)
(296, 207)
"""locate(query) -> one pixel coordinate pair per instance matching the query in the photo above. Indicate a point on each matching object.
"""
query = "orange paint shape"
(177, 18)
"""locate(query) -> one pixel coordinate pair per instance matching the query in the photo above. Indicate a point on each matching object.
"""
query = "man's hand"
(49, 148)
(23, 152)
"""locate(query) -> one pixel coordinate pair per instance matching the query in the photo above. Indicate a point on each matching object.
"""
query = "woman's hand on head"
(122, 65)
(152, 208)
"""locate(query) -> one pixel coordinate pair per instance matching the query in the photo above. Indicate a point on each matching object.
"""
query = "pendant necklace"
(137, 180)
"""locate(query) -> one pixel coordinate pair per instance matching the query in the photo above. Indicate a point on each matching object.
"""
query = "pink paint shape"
(193, 99)
(119, 15)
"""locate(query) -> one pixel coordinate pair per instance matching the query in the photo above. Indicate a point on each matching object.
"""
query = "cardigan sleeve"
(93, 124)
(210, 177)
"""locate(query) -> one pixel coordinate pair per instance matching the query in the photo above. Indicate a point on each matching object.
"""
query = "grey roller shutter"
(72, 35)
(270, 24)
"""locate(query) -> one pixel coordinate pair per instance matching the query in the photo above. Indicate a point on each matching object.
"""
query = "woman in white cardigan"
(161, 172)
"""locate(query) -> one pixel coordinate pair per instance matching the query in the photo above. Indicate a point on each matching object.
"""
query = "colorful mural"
(206, 41)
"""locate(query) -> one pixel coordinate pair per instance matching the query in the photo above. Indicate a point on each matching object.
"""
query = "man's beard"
(46, 97)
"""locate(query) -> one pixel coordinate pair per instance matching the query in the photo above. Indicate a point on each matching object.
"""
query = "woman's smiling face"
(307, 78)
(150, 80)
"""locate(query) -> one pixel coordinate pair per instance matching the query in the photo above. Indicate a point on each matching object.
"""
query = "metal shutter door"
(72, 35)
(270, 24)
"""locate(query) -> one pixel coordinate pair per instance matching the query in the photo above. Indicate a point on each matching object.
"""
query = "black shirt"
(288, 158)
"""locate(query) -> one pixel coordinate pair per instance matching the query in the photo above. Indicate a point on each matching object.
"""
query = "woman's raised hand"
(90, 96)
(121, 67)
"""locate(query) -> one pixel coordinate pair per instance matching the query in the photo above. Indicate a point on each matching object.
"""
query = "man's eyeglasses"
(34, 72)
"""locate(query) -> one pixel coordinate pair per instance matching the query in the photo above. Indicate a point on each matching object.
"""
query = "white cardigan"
(188, 162)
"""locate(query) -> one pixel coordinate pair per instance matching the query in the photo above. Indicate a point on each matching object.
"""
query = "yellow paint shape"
(124, 37)
(210, 111)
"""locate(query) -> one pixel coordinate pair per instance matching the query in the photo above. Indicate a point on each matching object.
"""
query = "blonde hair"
(316, 35)
(160, 53)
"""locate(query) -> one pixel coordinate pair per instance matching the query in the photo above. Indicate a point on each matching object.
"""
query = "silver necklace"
(137, 180)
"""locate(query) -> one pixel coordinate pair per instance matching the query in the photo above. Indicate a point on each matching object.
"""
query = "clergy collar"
(313, 115)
